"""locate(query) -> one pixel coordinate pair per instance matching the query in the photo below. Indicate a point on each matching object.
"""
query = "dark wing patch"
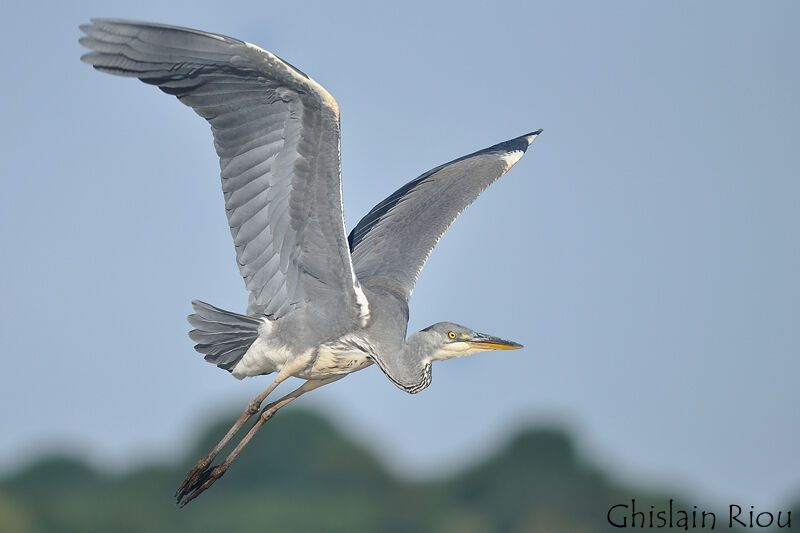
(395, 238)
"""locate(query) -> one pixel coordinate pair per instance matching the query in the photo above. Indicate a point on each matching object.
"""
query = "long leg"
(210, 475)
(252, 408)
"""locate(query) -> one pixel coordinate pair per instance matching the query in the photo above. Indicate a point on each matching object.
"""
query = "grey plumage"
(425, 207)
(277, 136)
(222, 335)
(321, 304)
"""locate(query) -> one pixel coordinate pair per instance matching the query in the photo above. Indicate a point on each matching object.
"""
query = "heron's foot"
(193, 476)
(201, 482)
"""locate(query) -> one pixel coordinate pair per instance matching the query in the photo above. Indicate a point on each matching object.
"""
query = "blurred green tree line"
(302, 475)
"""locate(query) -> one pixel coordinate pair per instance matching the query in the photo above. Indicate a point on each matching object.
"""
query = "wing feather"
(276, 132)
(392, 242)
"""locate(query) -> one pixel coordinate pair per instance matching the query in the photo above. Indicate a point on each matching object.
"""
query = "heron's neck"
(419, 348)
(410, 367)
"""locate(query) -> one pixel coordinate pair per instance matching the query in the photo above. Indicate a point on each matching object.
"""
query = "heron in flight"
(322, 304)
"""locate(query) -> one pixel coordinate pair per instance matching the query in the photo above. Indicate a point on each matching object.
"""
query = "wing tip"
(517, 144)
(530, 137)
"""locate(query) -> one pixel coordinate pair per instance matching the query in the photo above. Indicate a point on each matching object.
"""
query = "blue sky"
(645, 250)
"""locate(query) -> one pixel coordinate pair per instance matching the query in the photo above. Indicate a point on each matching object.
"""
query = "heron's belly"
(261, 358)
(334, 360)
(337, 358)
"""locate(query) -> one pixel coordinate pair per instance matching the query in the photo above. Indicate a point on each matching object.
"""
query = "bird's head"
(451, 340)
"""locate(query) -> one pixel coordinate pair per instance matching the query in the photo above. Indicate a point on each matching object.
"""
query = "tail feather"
(226, 359)
(223, 336)
(216, 337)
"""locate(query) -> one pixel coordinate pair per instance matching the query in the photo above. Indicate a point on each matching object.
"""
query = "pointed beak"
(488, 342)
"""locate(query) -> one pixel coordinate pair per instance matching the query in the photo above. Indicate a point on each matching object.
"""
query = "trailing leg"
(197, 470)
(208, 476)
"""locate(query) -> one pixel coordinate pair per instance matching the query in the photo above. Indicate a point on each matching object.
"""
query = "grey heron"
(322, 304)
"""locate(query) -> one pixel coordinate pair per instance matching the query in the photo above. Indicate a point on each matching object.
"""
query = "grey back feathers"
(276, 132)
(396, 237)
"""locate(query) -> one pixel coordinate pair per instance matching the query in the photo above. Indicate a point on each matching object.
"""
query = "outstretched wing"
(276, 132)
(395, 239)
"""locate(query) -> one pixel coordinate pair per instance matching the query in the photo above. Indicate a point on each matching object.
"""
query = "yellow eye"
(452, 334)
